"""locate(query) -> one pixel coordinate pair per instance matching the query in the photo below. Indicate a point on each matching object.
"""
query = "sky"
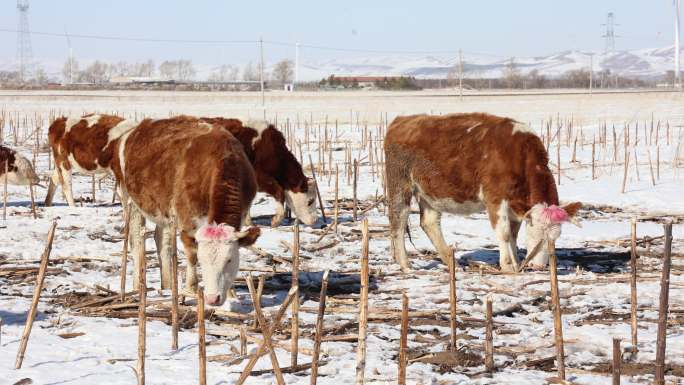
(500, 28)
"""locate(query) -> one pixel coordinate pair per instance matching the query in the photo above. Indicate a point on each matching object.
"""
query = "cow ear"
(248, 237)
(572, 209)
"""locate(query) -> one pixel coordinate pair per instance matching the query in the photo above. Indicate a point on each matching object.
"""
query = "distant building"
(360, 81)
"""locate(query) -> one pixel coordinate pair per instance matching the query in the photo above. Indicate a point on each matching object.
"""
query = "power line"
(137, 39)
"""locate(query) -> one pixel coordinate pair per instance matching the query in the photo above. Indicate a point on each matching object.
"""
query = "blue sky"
(506, 28)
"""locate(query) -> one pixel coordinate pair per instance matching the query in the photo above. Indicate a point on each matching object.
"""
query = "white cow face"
(543, 224)
(219, 259)
(303, 203)
(23, 173)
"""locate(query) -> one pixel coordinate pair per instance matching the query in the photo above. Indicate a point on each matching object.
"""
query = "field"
(620, 154)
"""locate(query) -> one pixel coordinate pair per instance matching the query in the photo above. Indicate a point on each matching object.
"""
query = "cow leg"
(430, 222)
(190, 248)
(279, 214)
(515, 228)
(399, 207)
(164, 240)
(52, 187)
(136, 240)
(500, 219)
(247, 219)
(65, 179)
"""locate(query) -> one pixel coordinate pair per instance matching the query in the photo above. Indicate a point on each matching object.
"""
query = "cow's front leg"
(164, 240)
(279, 208)
(190, 248)
(499, 215)
(430, 220)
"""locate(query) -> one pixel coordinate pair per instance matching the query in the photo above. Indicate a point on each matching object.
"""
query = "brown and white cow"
(86, 144)
(19, 169)
(278, 172)
(464, 163)
(196, 174)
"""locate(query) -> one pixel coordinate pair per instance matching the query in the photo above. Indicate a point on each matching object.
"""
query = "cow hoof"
(537, 267)
(277, 220)
(507, 268)
(189, 291)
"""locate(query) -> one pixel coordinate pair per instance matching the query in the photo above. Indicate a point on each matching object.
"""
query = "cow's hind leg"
(65, 179)
(430, 220)
(52, 187)
(190, 248)
(399, 201)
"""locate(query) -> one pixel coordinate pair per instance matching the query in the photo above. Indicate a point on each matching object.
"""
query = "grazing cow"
(278, 172)
(19, 169)
(464, 163)
(196, 174)
(86, 144)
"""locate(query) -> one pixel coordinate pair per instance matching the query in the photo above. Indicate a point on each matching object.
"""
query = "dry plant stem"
(201, 342)
(142, 305)
(452, 302)
(663, 308)
(295, 304)
(337, 202)
(40, 278)
(558, 325)
(633, 284)
(363, 309)
(489, 337)
(266, 332)
(33, 202)
(617, 360)
(124, 260)
(318, 191)
(4, 195)
(174, 288)
(319, 327)
(403, 340)
(356, 178)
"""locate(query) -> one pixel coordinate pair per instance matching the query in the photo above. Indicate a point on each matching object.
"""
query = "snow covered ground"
(594, 280)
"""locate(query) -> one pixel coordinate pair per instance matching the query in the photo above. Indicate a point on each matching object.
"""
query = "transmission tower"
(610, 33)
(24, 51)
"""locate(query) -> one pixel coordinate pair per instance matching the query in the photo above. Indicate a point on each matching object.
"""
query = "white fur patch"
(92, 120)
(70, 123)
(122, 159)
(521, 127)
(259, 126)
(117, 131)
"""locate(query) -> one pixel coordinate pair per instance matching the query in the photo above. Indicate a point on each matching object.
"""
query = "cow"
(19, 169)
(278, 172)
(466, 163)
(194, 174)
(82, 143)
(85, 144)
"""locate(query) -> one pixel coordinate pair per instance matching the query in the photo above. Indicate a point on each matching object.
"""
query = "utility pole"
(296, 77)
(261, 72)
(591, 73)
(460, 73)
(677, 79)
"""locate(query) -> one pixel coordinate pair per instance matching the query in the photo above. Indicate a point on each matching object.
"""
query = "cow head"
(543, 224)
(219, 258)
(20, 171)
(302, 200)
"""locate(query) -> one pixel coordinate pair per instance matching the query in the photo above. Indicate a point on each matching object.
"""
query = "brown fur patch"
(7, 157)
(276, 168)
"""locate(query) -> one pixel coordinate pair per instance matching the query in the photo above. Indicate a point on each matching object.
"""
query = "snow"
(106, 353)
